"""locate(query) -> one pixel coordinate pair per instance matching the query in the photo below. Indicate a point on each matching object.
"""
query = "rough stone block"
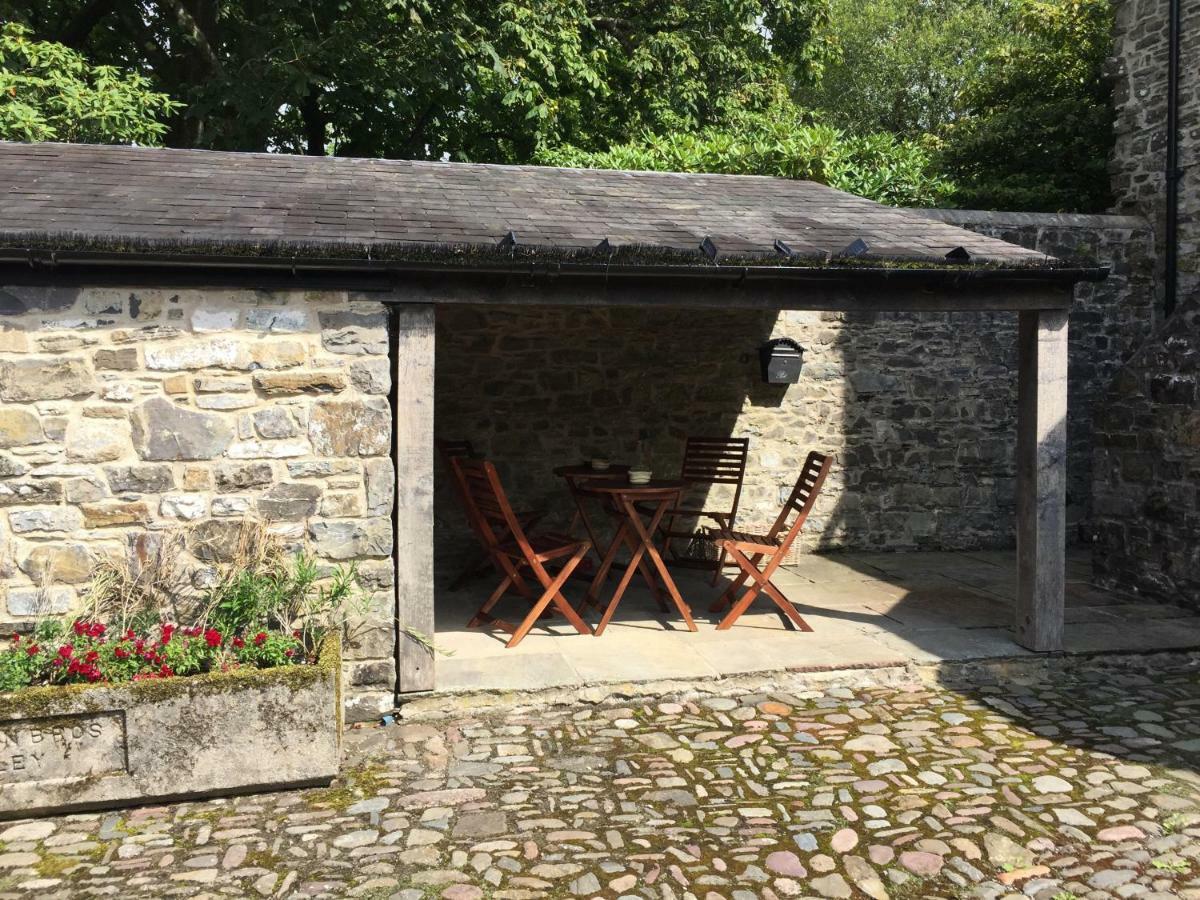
(274, 423)
(213, 540)
(114, 513)
(51, 518)
(163, 430)
(140, 479)
(18, 427)
(225, 353)
(351, 428)
(277, 319)
(352, 539)
(214, 320)
(268, 449)
(291, 501)
(183, 506)
(58, 564)
(103, 441)
(11, 468)
(13, 493)
(124, 359)
(381, 485)
(220, 384)
(372, 376)
(48, 601)
(239, 476)
(285, 384)
(226, 401)
(44, 378)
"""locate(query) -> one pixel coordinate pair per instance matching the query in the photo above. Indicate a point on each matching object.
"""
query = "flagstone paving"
(1086, 787)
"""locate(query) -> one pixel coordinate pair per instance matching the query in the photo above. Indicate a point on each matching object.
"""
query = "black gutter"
(1173, 173)
(384, 271)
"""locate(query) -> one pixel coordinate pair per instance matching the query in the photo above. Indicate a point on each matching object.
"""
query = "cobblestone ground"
(1084, 788)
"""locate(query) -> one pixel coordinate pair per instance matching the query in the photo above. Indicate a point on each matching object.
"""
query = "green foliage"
(484, 81)
(782, 143)
(49, 92)
(267, 608)
(1037, 125)
(283, 594)
(902, 66)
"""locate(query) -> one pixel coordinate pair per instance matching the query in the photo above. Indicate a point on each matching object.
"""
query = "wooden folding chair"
(513, 551)
(759, 555)
(450, 450)
(707, 461)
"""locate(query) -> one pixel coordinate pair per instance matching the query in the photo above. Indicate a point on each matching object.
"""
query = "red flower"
(121, 653)
(129, 635)
(212, 637)
(16, 638)
(260, 638)
(238, 643)
(33, 649)
(92, 656)
(165, 671)
(167, 631)
(97, 630)
(79, 627)
(288, 653)
(65, 651)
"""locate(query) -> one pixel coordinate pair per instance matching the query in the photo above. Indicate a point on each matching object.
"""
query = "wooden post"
(412, 365)
(1041, 479)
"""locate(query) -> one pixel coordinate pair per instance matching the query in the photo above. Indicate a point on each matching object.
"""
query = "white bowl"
(600, 465)
(639, 476)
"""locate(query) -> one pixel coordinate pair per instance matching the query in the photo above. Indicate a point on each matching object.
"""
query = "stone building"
(192, 339)
(1146, 497)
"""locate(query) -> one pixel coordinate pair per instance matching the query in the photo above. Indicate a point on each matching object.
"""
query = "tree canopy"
(1037, 124)
(476, 80)
(48, 92)
(990, 103)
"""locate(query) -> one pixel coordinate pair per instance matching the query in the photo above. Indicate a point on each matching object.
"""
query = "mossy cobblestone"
(912, 791)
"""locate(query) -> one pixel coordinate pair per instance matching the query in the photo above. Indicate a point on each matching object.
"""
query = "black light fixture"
(781, 359)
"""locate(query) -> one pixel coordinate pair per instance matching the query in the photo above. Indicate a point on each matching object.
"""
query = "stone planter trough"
(83, 747)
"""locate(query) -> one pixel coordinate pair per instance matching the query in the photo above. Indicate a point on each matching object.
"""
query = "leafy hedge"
(783, 143)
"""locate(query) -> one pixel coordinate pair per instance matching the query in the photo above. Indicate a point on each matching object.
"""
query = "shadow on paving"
(1084, 786)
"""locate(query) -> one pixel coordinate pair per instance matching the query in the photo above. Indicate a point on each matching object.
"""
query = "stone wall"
(1139, 71)
(1147, 445)
(1109, 321)
(126, 414)
(920, 408)
(1147, 492)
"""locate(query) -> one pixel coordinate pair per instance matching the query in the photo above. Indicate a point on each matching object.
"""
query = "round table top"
(582, 470)
(654, 486)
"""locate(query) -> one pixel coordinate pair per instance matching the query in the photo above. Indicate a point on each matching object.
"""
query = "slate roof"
(86, 196)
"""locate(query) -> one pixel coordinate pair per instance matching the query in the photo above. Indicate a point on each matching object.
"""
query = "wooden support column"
(1041, 479)
(412, 366)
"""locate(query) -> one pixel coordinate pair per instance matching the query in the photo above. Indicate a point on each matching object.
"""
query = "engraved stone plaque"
(62, 747)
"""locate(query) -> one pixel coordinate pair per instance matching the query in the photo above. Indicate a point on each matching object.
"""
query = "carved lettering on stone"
(58, 747)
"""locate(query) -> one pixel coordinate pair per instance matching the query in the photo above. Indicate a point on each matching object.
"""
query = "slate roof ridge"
(138, 196)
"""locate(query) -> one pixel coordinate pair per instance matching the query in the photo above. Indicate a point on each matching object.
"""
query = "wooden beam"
(1041, 479)
(412, 365)
(850, 293)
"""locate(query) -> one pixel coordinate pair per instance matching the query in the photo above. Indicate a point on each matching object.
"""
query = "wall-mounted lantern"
(781, 360)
